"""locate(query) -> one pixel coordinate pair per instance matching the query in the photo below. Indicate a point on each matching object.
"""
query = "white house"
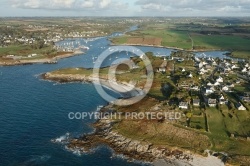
(244, 70)
(227, 69)
(195, 88)
(183, 105)
(196, 102)
(203, 70)
(225, 89)
(240, 107)
(190, 75)
(205, 63)
(220, 80)
(212, 102)
(234, 67)
(162, 69)
(223, 100)
(209, 91)
(214, 63)
(217, 84)
(210, 84)
(197, 59)
(200, 65)
(212, 88)
(227, 64)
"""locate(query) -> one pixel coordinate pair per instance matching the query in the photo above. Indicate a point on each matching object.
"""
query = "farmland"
(195, 36)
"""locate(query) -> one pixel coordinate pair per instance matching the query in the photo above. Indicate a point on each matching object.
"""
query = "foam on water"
(35, 160)
(62, 139)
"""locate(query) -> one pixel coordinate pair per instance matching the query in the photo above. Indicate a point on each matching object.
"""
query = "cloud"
(104, 3)
(88, 4)
(68, 4)
(140, 7)
(195, 7)
(35, 4)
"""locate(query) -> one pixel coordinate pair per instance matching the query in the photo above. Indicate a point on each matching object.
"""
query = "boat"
(84, 47)
(99, 107)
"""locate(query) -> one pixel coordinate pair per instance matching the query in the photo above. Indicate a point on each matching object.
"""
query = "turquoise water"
(34, 111)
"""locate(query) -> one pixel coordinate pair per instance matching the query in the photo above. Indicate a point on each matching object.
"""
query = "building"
(210, 84)
(222, 100)
(214, 63)
(190, 75)
(209, 91)
(220, 80)
(162, 69)
(245, 97)
(244, 70)
(225, 89)
(212, 102)
(195, 88)
(196, 102)
(217, 84)
(183, 105)
(235, 67)
(240, 107)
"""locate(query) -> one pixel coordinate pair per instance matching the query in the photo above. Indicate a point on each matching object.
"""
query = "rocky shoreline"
(131, 149)
(104, 134)
(125, 90)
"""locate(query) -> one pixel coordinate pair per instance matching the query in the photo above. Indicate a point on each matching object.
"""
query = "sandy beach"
(125, 90)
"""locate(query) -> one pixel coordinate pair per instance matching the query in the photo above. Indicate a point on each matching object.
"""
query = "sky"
(131, 8)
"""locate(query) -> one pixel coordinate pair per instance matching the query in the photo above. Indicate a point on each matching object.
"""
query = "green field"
(223, 42)
(190, 38)
(22, 50)
(171, 38)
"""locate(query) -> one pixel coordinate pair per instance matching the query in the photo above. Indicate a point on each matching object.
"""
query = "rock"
(158, 153)
(142, 148)
(132, 146)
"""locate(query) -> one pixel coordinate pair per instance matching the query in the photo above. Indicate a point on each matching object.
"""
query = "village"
(213, 93)
(35, 39)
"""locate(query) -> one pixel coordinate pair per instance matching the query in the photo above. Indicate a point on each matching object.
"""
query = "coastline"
(38, 61)
(131, 149)
(174, 48)
(137, 150)
(118, 87)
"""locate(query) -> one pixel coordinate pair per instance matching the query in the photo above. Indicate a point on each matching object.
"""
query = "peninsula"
(208, 127)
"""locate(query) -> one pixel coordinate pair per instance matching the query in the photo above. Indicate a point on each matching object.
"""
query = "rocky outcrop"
(133, 149)
(66, 77)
